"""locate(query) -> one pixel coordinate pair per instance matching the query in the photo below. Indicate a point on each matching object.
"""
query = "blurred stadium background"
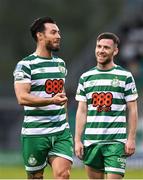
(80, 23)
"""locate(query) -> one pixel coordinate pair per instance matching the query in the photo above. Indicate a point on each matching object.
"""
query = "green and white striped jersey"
(106, 93)
(47, 77)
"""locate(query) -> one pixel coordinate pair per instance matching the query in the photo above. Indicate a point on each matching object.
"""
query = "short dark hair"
(108, 35)
(38, 25)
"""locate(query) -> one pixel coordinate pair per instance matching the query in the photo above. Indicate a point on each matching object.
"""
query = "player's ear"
(39, 36)
(116, 51)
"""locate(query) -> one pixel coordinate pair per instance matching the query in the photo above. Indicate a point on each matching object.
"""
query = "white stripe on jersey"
(47, 119)
(114, 169)
(40, 60)
(103, 82)
(89, 142)
(48, 107)
(114, 72)
(131, 97)
(45, 70)
(39, 82)
(40, 131)
(105, 130)
(114, 107)
(106, 119)
(80, 98)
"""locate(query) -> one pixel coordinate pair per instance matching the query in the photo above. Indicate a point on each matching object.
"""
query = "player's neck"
(106, 66)
(42, 52)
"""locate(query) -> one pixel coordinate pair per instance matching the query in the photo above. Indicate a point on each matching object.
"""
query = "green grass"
(18, 172)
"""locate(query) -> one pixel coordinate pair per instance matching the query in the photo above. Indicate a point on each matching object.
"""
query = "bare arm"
(22, 91)
(132, 126)
(81, 117)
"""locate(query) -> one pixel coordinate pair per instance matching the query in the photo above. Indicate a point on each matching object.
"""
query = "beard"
(51, 47)
(104, 59)
(107, 61)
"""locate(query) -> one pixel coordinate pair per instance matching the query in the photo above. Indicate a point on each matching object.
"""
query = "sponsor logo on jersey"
(134, 90)
(92, 83)
(78, 91)
(18, 75)
(18, 67)
(122, 162)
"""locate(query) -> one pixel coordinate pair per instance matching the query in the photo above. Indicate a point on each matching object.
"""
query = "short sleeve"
(130, 89)
(22, 72)
(80, 94)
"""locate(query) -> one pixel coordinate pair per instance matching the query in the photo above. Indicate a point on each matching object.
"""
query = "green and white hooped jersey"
(106, 94)
(47, 77)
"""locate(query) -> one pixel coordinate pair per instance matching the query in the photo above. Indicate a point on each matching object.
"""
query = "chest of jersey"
(48, 77)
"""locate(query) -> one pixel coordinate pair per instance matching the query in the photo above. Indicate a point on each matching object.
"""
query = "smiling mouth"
(101, 56)
(57, 42)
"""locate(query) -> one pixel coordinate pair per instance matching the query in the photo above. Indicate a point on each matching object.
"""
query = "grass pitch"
(18, 172)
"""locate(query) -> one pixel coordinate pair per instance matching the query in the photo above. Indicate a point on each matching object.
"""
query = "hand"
(130, 147)
(60, 99)
(79, 149)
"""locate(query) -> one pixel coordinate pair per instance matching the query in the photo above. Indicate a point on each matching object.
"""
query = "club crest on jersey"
(32, 160)
(115, 82)
(62, 69)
